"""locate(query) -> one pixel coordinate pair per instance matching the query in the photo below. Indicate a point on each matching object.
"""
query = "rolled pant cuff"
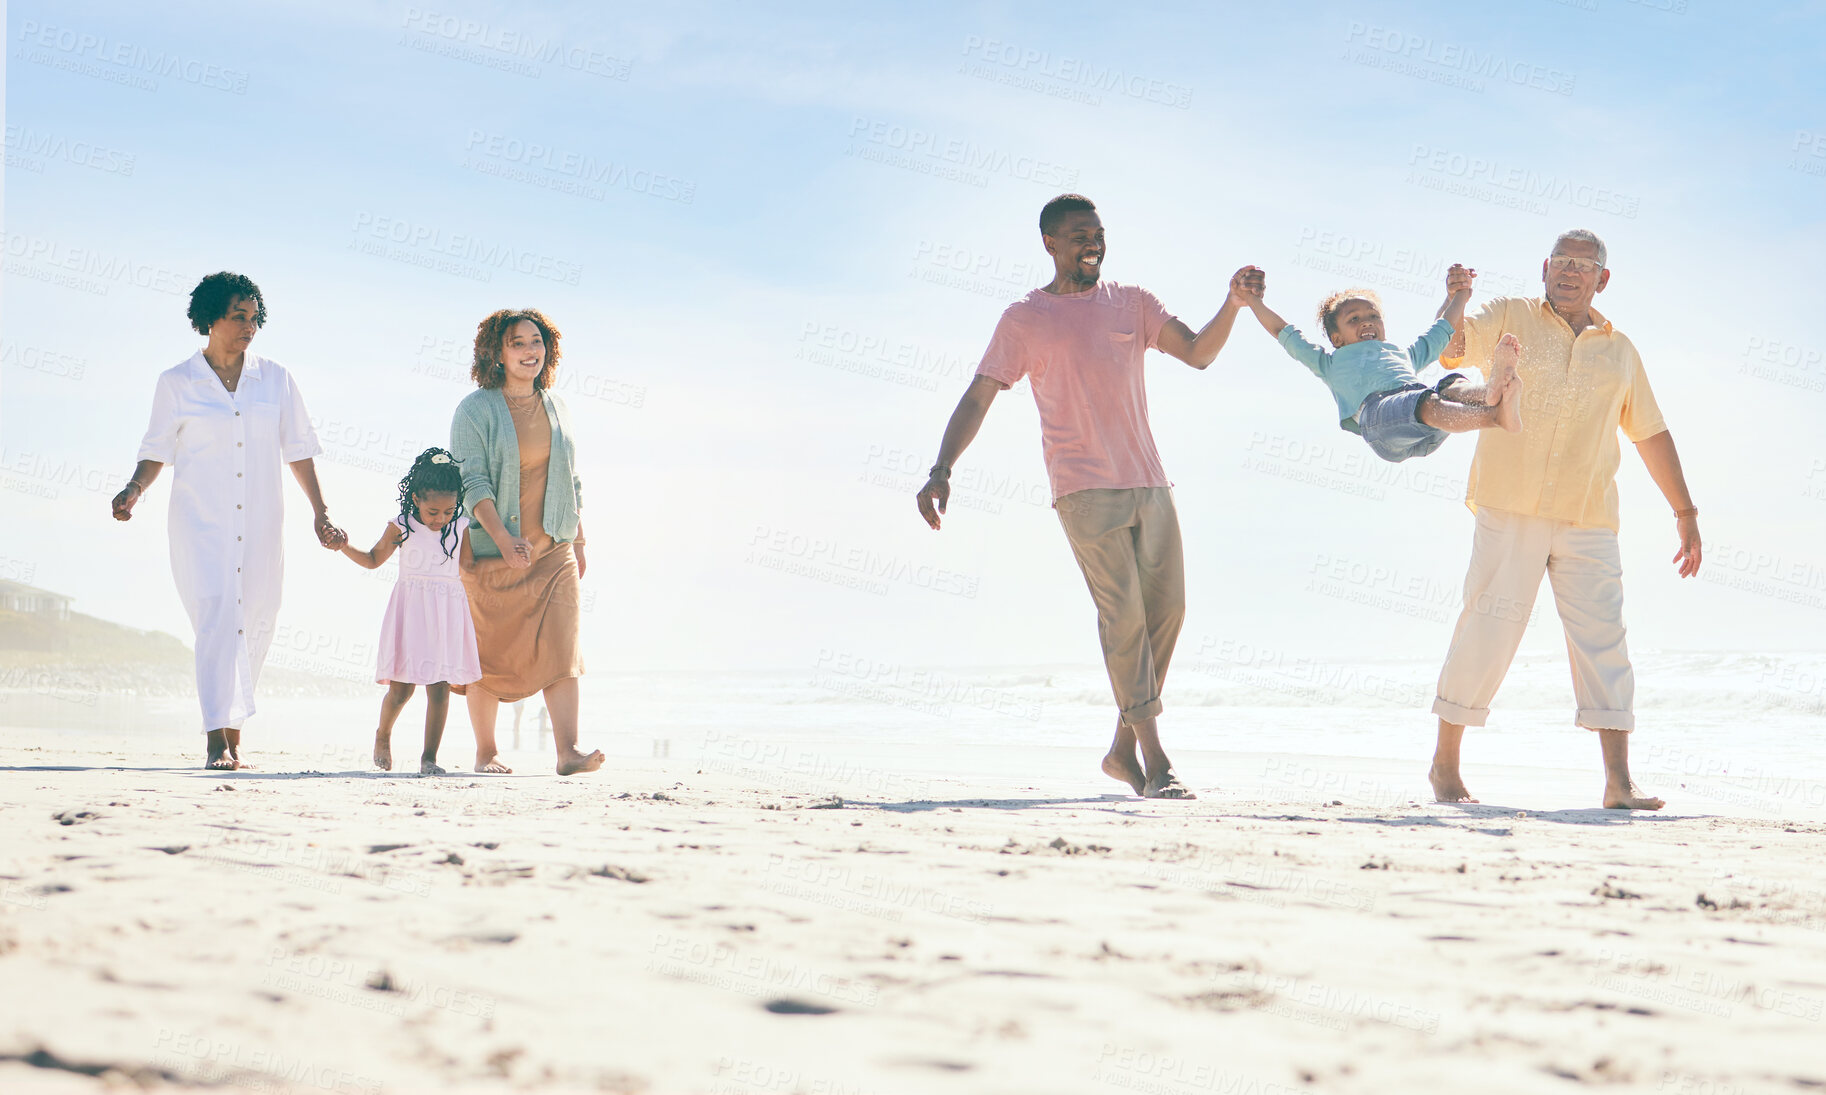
(1460, 716)
(1592, 719)
(1141, 712)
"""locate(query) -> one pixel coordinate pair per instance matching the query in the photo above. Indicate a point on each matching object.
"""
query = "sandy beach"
(751, 918)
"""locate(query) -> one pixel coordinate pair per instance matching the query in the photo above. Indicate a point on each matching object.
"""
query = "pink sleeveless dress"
(427, 636)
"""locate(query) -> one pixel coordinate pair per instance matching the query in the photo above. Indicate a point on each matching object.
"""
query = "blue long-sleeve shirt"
(1358, 371)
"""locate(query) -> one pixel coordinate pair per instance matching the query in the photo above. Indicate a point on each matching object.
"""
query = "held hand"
(1689, 554)
(329, 535)
(125, 501)
(582, 564)
(932, 498)
(519, 553)
(1248, 285)
(1459, 279)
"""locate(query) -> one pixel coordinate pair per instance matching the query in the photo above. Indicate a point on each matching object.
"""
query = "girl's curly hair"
(213, 296)
(1328, 308)
(429, 475)
(491, 333)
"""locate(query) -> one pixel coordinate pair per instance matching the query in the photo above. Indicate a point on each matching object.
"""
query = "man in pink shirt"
(1080, 341)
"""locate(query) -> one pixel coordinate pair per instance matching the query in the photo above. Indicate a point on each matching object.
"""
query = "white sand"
(989, 934)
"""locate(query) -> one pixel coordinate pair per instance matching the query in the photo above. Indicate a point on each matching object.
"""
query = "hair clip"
(440, 458)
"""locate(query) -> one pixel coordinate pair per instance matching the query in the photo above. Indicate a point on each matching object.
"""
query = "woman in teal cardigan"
(514, 441)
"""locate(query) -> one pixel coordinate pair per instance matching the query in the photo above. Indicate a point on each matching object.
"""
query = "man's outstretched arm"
(959, 432)
(1663, 463)
(1199, 350)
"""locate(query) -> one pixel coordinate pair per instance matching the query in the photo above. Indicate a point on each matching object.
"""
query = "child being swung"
(427, 636)
(1376, 383)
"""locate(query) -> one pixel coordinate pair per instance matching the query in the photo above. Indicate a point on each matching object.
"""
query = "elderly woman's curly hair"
(491, 334)
(215, 295)
(1328, 308)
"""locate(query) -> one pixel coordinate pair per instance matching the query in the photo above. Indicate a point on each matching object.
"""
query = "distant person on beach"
(1546, 501)
(518, 452)
(427, 636)
(226, 420)
(1376, 383)
(1080, 342)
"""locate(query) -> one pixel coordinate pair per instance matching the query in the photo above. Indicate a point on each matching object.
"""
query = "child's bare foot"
(429, 768)
(383, 751)
(1509, 407)
(1507, 356)
(1126, 769)
(573, 762)
(492, 765)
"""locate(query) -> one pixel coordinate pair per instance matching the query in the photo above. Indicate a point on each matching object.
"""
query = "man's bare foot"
(492, 765)
(1448, 786)
(429, 768)
(1509, 407)
(1629, 797)
(1166, 785)
(219, 759)
(383, 752)
(1126, 769)
(570, 764)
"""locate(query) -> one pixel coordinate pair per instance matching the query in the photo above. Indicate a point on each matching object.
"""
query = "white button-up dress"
(226, 451)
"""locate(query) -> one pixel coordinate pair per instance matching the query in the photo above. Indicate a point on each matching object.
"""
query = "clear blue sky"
(777, 243)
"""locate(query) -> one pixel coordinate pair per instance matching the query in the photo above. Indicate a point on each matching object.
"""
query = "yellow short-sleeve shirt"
(1577, 393)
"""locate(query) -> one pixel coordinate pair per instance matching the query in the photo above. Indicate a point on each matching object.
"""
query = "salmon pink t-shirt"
(1082, 353)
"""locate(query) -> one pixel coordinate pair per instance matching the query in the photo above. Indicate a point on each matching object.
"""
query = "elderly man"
(1546, 500)
(1079, 342)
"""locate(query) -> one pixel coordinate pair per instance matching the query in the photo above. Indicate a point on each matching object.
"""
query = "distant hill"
(83, 652)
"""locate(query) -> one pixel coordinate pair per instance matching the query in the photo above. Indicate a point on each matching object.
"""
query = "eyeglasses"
(1561, 264)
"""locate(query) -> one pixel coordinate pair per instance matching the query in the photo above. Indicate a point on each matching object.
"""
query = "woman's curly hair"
(215, 294)
(491, 333)
(1328, 308)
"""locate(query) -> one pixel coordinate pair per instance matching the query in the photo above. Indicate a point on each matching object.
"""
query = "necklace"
(515, 402)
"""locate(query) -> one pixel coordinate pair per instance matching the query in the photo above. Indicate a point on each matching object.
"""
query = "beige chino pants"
(1508, 555)
(1127, 544)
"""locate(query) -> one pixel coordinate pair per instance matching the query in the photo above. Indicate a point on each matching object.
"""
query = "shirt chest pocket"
(1123, 345)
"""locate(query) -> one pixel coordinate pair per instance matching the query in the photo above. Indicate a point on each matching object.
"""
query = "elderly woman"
(514, 441)
(226, 420)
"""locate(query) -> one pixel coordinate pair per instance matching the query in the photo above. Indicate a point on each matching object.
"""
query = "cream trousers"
(1508, 555)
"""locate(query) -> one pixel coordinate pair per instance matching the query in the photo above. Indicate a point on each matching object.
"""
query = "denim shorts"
(1390, 421)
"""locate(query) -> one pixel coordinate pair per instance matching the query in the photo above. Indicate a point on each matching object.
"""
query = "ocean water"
(1743, 731)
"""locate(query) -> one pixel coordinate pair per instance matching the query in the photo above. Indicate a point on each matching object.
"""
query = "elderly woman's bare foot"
(429, 768)
(573, 762)
(1166, 785)
(1126, 769)
(492, 765)
(1629, 797)
(383, 751)
(1448, 786)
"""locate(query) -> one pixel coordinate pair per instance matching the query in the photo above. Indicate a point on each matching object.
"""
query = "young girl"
(427, 636)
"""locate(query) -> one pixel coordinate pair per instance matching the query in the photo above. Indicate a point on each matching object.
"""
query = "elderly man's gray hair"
(1583, 235)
